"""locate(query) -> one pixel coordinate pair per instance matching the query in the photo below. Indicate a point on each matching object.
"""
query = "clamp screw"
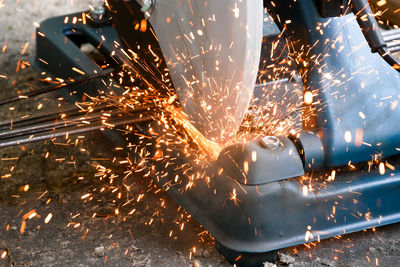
(98, 13)
(146, 5)
(271, 142)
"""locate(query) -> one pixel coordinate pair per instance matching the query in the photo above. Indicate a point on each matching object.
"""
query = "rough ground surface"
(59, 174)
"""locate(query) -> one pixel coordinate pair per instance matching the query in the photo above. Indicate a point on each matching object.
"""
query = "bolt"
(271, 142)
(146, 5)
(98, 13)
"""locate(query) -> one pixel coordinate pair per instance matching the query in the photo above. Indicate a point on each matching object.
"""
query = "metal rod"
(12, 124)
(52, 88)
(393, 43)
(47, 126)
(77, 119)
(392, 37)
(394, 46)
(394, 49)
(72, 131)
(390, 32)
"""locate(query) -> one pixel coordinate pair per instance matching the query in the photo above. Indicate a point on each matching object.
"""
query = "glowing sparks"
(22, 228)
(23, 188)
(328, 76)
(246, 167)
(236, 11)
(254, 156)
(78, 71)
(5, 176)
(30, 215)
(332, 176)
(308, 236)
(381, 3)
(308, 97)
(347, 137)
(359, 137)
(381, 168)
(305, 190)
(85, 196)
(26, 188)
(25, 48)
(233, 196)
(390, 166)
(207, 146)
(27, 216)
(143, 25)
(48, 218)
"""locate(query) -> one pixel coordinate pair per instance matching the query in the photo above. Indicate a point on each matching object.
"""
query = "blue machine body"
(355, 91)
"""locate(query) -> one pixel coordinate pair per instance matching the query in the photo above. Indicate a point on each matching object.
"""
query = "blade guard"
(212, 50)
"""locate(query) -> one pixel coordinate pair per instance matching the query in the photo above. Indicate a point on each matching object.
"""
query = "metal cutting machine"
(337, 174)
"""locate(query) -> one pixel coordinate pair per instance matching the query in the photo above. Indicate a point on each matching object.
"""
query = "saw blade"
(212, 50)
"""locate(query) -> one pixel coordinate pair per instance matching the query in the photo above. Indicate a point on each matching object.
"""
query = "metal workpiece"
(255, 162)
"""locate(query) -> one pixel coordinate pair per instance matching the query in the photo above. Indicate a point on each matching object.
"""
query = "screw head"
(100, 10)
(270, 142)
(146, 5)
(98, 13)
